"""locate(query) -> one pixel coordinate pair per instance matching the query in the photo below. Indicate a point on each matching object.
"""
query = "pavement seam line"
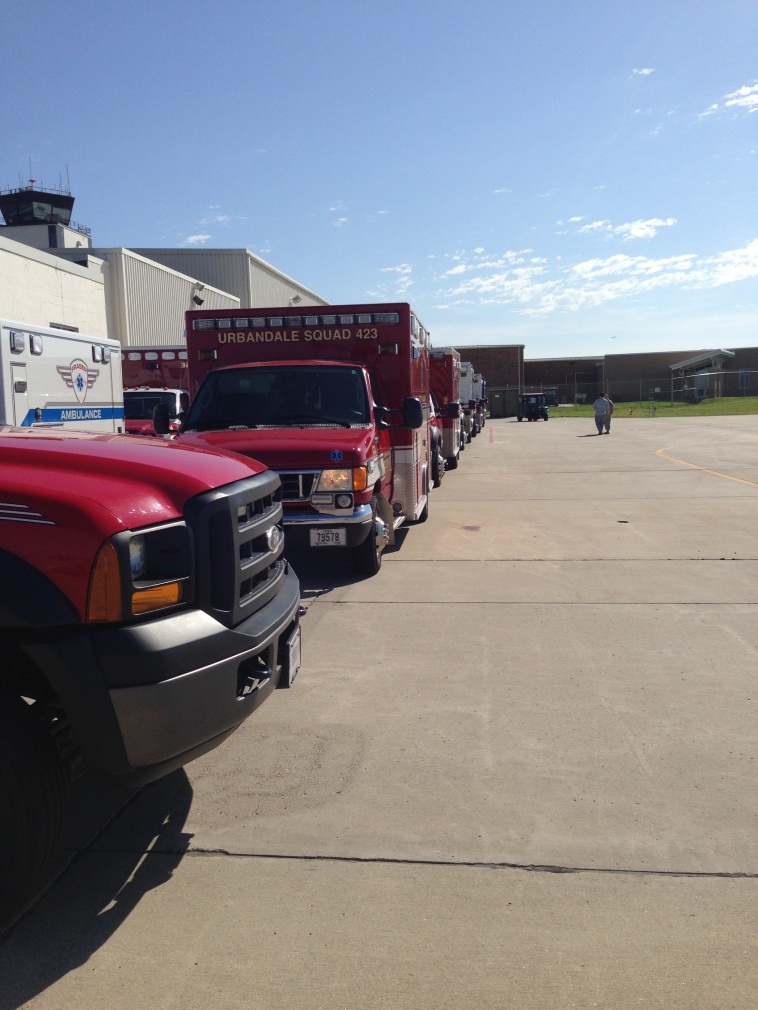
(448, 863)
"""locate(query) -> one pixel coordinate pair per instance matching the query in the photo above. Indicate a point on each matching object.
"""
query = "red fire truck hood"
(292, 448)
(138, 480)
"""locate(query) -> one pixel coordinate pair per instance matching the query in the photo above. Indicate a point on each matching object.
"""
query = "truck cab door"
(20, 393)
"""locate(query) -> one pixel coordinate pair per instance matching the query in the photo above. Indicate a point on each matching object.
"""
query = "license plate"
(293, 644)
(329, 538)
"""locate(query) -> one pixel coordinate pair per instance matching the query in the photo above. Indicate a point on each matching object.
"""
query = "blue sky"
(578, 177)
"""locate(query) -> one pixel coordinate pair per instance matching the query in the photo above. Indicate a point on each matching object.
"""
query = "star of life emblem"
(336, 456)
(78, 377)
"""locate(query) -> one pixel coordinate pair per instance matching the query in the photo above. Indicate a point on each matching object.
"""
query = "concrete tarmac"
(517, 769)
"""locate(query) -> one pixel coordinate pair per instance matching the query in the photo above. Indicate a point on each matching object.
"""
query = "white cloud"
(536, 287)
(643, 228)
(216, 219)
(339, 222)
(595, 226)
(744, 98)
(502, 189)
(196, 239)
(644, 71)
(403, 281)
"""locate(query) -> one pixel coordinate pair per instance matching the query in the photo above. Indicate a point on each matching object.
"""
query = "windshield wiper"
(317, 418)
(214, 425)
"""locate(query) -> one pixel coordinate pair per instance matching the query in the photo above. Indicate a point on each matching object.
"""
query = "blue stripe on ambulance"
(61, 415)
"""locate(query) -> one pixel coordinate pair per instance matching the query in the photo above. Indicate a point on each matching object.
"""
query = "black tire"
(452, 462)
(33, 799)
(521, 419)
(439, 466)
(367, 557)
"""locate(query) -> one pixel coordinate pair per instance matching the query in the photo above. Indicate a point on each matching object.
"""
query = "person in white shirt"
(603, 412)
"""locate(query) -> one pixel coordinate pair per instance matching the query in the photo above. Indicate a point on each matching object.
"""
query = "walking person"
(603, 412)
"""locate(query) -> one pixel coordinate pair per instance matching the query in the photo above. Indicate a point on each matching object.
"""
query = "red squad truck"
(153, 375)
(446, 379)
(146, 610)
(335, 400)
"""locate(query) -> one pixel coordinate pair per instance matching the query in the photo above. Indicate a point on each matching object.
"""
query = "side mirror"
(453, 410)
(161, 419)
(413, 412)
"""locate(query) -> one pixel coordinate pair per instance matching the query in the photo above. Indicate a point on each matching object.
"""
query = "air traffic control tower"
(42, 218)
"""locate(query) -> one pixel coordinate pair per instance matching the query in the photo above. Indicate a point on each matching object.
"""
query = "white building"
(41, 288)
(256, 283)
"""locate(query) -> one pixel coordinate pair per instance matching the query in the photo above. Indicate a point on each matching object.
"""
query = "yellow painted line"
(663, 453)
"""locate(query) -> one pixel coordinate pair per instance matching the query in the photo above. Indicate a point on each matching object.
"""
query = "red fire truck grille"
(297, 486)
(237, 546)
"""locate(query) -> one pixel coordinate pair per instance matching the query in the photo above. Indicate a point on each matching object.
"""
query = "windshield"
(280, 397)
(138, 405)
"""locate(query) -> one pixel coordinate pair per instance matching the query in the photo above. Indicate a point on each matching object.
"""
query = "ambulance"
(335, 400)
(468, 404)
(56, 378)
(153, 375)
(446, 380)
(480, 399)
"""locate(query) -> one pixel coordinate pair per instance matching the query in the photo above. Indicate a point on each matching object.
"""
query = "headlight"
(346, 479)
(140, 573)
(336, 480)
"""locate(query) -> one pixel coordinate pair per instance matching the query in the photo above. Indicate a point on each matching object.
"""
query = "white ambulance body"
(468, 404)
(51, 378)
(480, 398)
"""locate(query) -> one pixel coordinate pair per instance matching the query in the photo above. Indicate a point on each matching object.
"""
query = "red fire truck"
(146, 610)
(335, 400)
(445, 379)
(153, 375)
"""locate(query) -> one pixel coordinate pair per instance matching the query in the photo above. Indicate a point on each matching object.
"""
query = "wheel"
(452, 462)
(437, 467)
(33, 799)
(367, 557)
(520, 417)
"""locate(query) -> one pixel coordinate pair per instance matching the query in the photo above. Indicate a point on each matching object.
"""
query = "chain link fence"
(668, 389)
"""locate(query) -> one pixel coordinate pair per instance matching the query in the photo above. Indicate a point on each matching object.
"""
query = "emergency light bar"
(282, 322)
